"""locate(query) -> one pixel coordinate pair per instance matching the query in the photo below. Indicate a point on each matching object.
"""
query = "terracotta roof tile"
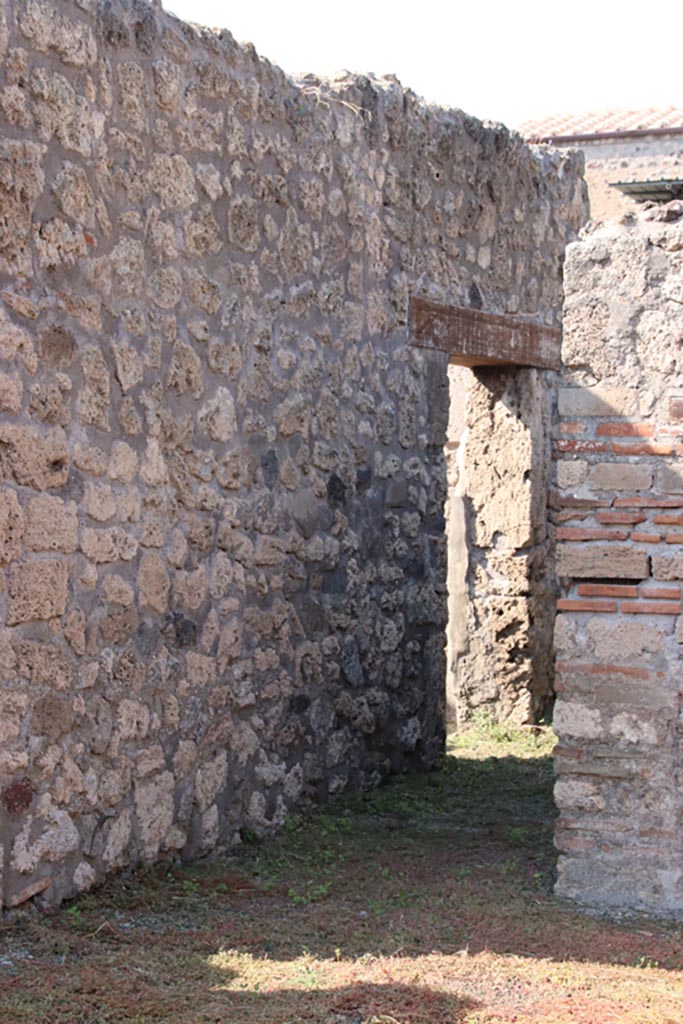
(602, 121)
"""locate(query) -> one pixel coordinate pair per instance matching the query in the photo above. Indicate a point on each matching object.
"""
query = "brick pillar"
(618, 516)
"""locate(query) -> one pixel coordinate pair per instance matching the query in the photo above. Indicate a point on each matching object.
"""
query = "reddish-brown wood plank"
(474, 338)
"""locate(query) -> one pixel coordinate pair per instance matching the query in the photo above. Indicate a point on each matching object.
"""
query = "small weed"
(401, 899)
(518, 834)
(510, 866)
(537, 879)
(646, 963)
(307, 976)
(249, 986)
(313, 894)
(330, 825)
(396, 901)
(75, 914)
(249, 837)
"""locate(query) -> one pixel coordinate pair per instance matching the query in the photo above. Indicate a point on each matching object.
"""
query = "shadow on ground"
(356, 1004)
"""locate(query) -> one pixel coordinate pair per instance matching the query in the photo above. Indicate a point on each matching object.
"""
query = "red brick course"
(607, 590)
(652, 592)
(620, 517)
(663, 448)
(571, 428)
(650, 608)
(586, 533)
(566, 604)
(625, 430)
(594, 669)
(638, 501)
(581, 446)
(568, 514)
(569, 501)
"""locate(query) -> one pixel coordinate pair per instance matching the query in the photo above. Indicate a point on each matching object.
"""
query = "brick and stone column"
(618, 515)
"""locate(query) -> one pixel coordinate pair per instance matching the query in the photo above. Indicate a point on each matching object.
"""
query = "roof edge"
(632, 133)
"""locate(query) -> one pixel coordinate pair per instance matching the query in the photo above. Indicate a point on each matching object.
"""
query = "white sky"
(506, 61)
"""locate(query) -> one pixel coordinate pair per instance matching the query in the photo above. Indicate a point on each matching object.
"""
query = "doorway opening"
(501, 581)
(501, 590)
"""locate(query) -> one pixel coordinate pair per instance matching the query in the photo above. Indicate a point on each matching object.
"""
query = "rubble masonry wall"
(222, 482)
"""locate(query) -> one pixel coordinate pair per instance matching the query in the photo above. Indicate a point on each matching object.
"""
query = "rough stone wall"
(619, 525)
(222, 480)
(500, 649)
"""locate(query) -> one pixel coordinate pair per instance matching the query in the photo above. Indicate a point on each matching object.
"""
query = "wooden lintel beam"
(474, 338)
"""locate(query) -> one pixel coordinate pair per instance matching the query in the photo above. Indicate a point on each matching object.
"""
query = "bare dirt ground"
(428, 901)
